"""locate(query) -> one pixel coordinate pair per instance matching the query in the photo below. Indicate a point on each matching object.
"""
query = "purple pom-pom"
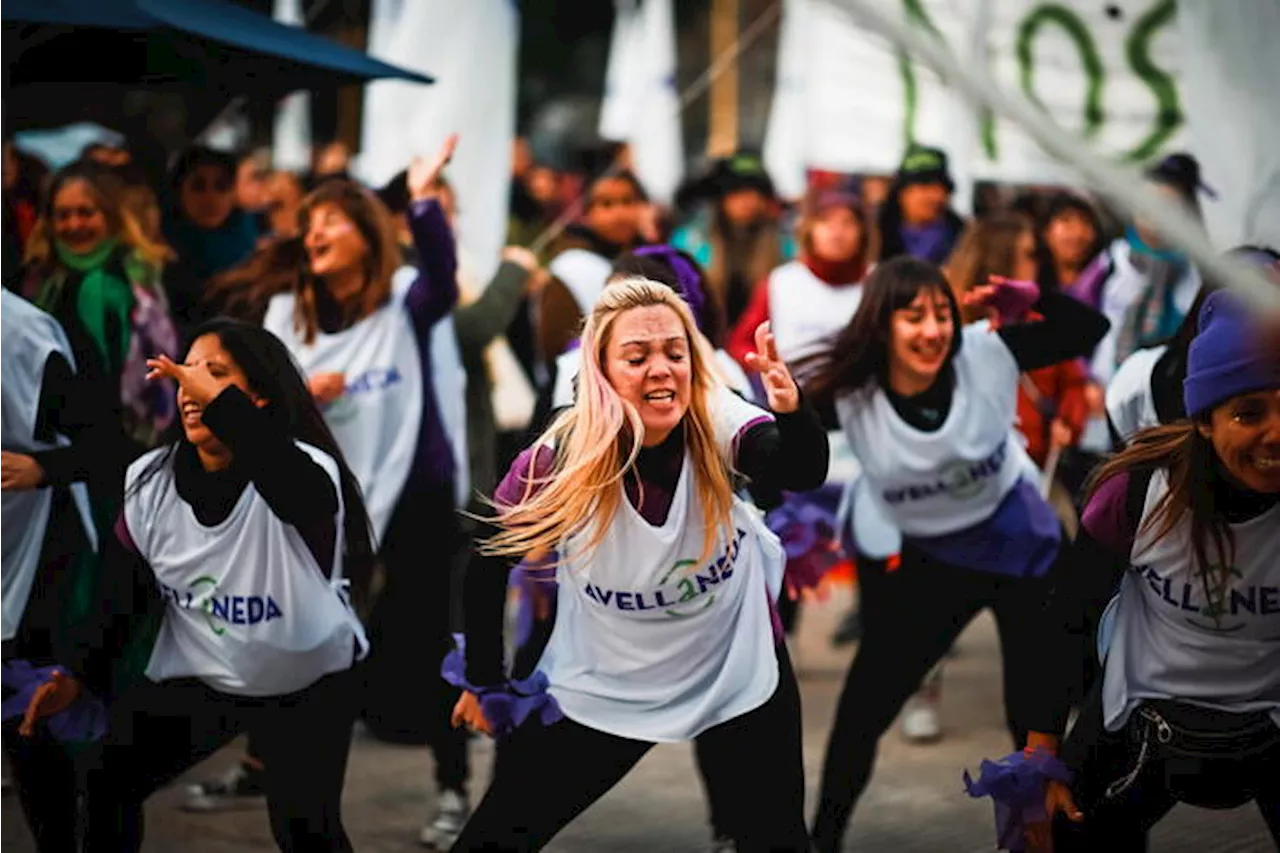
(1015, 785)
(506, 706)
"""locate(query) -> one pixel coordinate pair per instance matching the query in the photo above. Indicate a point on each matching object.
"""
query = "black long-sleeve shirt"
(789, 453)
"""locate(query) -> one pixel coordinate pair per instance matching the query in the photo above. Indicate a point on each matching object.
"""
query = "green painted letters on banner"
(1080, 36)
(1138, 51)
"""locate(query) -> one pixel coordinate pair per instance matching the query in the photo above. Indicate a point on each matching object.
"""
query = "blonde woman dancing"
(664, 584)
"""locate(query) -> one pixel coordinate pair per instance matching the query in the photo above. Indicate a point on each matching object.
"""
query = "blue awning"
(235, 34)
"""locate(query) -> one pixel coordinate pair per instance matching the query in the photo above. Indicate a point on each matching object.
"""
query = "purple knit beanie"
(1227, 357)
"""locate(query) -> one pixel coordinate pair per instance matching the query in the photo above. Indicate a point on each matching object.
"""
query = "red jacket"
(1058, 394)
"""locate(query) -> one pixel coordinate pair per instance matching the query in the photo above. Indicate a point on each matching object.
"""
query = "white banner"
(1233, 107)
(641, 105)
(470, 50)
(1106, 71)
(291, 142)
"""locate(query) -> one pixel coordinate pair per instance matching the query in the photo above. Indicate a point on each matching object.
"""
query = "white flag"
(291, 148)
(641, 106)
(470, 50)
(1233, 113)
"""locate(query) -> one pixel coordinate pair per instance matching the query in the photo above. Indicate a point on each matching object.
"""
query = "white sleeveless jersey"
(650, 641)
(1130, 403)
(27, 338)
(933, 483)
(805, 312)
(1171, 641)
(377, 418)
(248, 609)
(569, 361)
(584, 273)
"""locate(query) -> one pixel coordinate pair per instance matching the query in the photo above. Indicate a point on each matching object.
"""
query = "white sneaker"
(920, 723)
(723, 844)
(452, 812)
(240, 787)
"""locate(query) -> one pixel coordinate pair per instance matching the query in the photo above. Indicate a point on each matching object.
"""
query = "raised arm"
(1069, 329)
(435, 291)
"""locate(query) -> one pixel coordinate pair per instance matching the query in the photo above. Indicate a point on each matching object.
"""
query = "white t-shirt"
(248, 609)
(1130, 403)
(377, 418)
(650, 642)
(27, 338)
(805, 312)
(1166, 643)
(584, 273)
(933, 483)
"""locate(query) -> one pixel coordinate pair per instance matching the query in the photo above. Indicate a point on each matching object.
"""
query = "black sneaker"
(242, 787)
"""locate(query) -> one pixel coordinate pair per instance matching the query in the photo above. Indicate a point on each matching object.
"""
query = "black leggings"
(158, 731)
(911, 617)
(1099, 758)
(45, 776)
(544, 777)
(406, 700)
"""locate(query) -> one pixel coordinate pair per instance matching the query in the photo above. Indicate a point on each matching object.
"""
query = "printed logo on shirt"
(1227, 606)
(682, 598)
(374, 379)
(959, 479)
(201, 594)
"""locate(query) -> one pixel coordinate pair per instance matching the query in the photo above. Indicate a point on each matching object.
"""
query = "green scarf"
(103, 296)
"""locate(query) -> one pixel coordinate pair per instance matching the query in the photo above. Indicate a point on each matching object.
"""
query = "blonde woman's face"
(647, 361)
(78, 222)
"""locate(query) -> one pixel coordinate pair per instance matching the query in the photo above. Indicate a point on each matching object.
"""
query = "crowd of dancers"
(253, 483)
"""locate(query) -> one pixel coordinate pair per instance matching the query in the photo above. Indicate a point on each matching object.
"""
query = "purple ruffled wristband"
(83, 721)
(1015, 785)
(806, 526)
(507, 705)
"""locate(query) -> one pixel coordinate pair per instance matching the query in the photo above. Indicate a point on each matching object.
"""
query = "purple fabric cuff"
(1015, 785)
(506, 706)
(82, 721)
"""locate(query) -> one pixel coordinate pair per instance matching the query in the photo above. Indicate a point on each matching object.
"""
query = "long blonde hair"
(121, 207)
(598, 439)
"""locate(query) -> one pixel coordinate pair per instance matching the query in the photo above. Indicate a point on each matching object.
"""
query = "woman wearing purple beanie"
(1187, 519)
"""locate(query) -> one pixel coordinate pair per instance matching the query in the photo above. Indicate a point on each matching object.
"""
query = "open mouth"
(192, 414)
(1267, 464)
(929, 352)
(318, 253)
(660, 397)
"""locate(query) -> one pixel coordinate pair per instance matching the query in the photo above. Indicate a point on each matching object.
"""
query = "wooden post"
(722, 134)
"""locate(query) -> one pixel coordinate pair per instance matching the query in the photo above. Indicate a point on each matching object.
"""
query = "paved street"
(915, 801)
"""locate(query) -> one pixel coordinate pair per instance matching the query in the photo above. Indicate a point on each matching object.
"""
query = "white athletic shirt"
(377, 418)
(1165, 642)
(650, 642)
(1130, 403)
(28, 336)
(933, 483)
(805, 313)
(248, 610)
(584, 273)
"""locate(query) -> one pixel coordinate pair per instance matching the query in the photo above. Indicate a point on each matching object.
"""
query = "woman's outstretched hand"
(424, 173)
(195, 380)
(780, 389)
